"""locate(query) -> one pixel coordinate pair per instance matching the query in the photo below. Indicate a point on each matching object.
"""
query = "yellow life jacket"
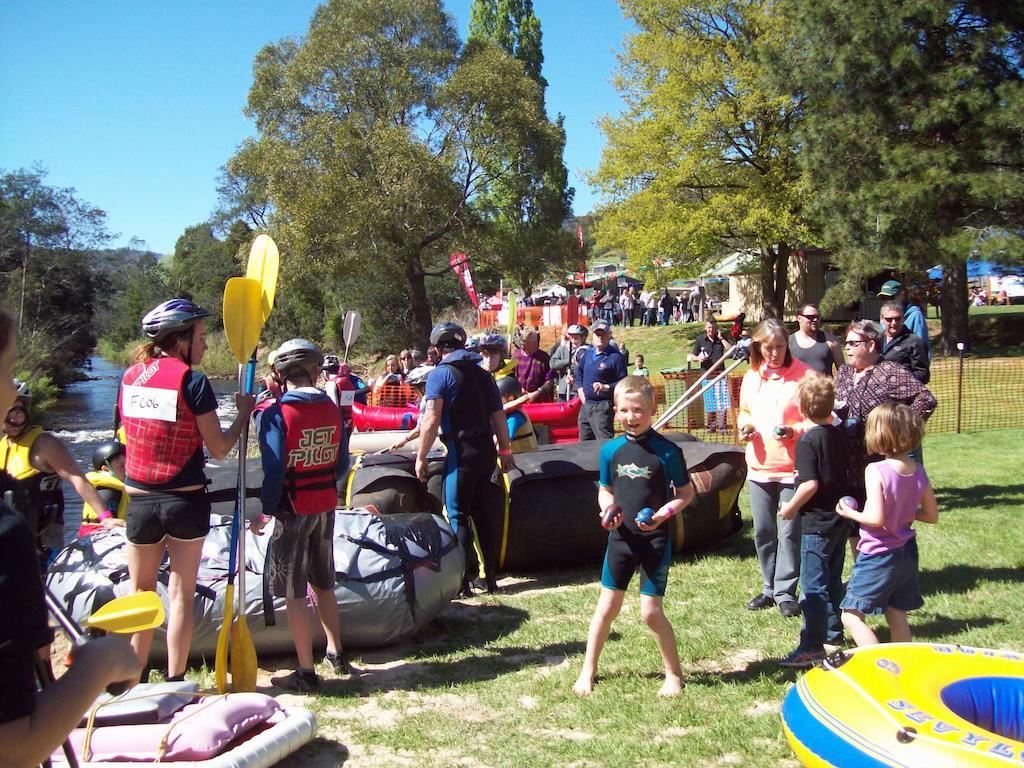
(35, 494)
(105, 481)
(17, 453)
(508, 368)
(524, 439)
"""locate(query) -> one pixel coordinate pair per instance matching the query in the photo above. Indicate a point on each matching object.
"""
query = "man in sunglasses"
(812, 346)
(901, 346)
(913, 317)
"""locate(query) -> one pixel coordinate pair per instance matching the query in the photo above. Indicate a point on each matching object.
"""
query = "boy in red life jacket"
(301, 442)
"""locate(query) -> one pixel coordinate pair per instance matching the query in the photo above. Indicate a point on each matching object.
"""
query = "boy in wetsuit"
(641, 469)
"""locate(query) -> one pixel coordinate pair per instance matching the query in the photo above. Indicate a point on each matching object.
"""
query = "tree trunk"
(774, 279)
(418, 304)
(954, 304)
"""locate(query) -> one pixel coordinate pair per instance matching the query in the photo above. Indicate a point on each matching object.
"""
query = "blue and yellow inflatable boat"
(908, 705)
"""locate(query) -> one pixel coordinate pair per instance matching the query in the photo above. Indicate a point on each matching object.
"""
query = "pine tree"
(912, 137)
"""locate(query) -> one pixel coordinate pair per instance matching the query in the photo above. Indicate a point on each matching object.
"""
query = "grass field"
(488, 683)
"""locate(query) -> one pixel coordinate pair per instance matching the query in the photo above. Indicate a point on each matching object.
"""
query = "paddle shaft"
(77, 637)
(672, 412)
(674, 408)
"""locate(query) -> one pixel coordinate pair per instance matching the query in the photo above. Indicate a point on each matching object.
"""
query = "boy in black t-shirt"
(821, 475)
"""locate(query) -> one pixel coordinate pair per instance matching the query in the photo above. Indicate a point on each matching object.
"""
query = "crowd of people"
(832, 444)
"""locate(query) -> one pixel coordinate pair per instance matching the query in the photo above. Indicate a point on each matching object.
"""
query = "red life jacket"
(344, 383)
(151, 394)
(312, 440)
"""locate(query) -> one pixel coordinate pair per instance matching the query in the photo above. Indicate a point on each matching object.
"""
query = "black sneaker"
(339, 663)
(488, 585)
(300, 681)
(466, 590)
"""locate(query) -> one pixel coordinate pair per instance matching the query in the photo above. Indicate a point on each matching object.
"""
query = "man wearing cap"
(463, 402)
(533, 368)
(564, 358)
(599, 369)
(913, 317)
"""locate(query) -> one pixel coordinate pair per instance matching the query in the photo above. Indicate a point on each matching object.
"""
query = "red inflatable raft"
(559, 418)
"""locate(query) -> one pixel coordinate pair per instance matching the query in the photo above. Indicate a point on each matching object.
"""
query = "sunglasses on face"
(854, 342)
(811, 318)
(897, 319)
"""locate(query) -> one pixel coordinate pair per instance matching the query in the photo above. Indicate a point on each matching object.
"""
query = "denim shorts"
(885, 580)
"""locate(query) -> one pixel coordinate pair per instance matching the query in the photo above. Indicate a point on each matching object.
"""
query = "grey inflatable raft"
(395, 574)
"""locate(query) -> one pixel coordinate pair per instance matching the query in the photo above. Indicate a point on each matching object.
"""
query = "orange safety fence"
(393, 396)
(988, 393)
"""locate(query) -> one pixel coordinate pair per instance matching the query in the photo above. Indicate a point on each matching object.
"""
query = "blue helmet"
(173, 315)
(492, 341)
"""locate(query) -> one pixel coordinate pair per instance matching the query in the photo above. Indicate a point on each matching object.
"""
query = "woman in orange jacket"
(770, 423)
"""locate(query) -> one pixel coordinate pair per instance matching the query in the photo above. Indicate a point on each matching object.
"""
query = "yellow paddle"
(262, 267)
(243, 321)
(132, 613)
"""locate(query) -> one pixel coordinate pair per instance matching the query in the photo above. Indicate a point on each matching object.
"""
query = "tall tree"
(377, 135)
(202, 264)
(46, 275)
(913, 136)
(526, 210)
(704, 159)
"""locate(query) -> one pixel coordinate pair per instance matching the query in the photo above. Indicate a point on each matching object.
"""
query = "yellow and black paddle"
(248, 302)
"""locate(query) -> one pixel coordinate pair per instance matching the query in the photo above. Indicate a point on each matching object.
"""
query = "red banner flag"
(460, 263)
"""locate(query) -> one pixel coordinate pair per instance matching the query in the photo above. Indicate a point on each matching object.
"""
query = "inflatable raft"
(555, 489)
(558, 420)
(394, 575)
(239, 730)
(909, 704)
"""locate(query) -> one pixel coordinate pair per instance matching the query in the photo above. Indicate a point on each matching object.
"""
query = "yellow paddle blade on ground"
(128, 614)
(262, 267)
(220, 667)
(243, 656)
(243, 317)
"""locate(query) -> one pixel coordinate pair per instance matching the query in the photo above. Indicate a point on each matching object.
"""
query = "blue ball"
(644, 515)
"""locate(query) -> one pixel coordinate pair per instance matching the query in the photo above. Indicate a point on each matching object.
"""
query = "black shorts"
(628, 551)
(182, 515)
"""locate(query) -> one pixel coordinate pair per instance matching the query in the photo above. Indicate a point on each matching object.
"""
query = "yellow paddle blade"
(243, 657)
(262, 267)
(220, 668)
(243, 319)
(128, 614)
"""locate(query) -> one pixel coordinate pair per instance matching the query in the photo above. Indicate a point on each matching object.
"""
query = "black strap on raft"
(269, 617)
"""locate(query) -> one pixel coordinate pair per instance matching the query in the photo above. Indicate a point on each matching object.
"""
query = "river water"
(84, 417)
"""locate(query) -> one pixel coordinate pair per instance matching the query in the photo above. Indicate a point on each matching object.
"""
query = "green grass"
(488, 683)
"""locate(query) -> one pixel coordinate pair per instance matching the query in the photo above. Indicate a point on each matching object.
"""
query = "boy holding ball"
(641, 471)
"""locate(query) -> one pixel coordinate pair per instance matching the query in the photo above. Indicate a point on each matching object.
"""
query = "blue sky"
(137, 104)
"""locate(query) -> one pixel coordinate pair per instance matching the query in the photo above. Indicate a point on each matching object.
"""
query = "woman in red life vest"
(169, 412)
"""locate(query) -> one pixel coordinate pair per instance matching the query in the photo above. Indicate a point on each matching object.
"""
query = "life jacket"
(312, 440)
(525, 439)
(468, 417)
(343, 383)
(36, 495)
(161, 430)
(105, 481)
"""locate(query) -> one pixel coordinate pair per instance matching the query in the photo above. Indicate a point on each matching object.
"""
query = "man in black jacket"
(903, 347)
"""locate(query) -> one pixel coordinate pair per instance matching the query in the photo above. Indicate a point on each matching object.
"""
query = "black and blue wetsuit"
(640, 470)
(470, 397)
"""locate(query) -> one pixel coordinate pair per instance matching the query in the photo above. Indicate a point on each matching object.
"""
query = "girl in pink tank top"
(885, 575)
